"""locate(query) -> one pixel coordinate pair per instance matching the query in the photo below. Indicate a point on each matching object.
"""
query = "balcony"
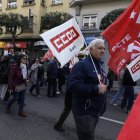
(85, 2)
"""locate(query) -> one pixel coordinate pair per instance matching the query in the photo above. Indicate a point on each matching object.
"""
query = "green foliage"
(53, 19)
(13, 22)
(110, 18)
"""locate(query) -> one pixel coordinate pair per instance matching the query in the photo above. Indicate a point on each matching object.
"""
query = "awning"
(12, 0)
(28, 0)
(39, 43)
(2, 44)
(21, 45)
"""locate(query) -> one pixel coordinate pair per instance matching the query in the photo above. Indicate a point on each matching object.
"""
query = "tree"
(14, 24)
(1, 23)
(53, 19)
(110, 18)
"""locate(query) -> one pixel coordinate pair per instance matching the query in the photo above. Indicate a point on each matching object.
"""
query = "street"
(43, 112)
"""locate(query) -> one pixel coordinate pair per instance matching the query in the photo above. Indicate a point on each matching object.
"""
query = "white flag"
(134, 69)
(64, 41)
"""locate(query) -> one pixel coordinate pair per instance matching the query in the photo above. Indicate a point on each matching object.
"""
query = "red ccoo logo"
(64, 39)
(136, 67)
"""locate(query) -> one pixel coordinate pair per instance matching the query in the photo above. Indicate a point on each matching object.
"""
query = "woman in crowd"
(17, 83)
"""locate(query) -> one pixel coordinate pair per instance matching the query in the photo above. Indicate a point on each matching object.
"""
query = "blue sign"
(88, 39)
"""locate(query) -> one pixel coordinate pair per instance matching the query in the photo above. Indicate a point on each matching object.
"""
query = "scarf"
(23, 70)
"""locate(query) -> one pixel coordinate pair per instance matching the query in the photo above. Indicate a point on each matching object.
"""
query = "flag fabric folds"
(130, 130)
(134, 69)
(123, 36)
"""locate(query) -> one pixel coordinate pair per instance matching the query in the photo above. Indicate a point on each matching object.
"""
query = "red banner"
(131, 128)
(120, 59)
(21, 45)
(123, 36)
(47, 56)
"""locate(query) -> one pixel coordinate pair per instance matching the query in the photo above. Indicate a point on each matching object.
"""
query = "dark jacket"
(52, 70)
(15, 77)
(40, 74)
(83, 84)
(127, 79)
(4, 72)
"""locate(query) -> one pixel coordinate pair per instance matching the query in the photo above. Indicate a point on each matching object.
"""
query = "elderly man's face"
(98, 50)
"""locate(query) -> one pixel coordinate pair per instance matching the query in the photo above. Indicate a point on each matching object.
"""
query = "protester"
(52, 73)
(67, 103)
(17, 84)
(4, 72)
(110, 77)
(87, 83)
(120, 92)
(11, 53)
(13, 56)
(61, 78)
(67, 108)
(40, 75)
(35, 77)
(128, 98)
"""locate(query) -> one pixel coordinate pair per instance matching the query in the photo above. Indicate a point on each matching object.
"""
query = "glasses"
(24, 58)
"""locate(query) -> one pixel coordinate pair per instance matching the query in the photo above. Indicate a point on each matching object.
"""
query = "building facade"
(57, 5)
(33, 9)
(89, 14)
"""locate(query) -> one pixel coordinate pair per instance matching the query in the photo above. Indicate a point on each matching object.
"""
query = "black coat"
(127, 79)
(4, 72)
(52, 70)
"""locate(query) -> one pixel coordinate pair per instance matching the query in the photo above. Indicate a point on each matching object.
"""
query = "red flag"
(48, 55)
(131, 128)
(124, 29)
(124, 32)
(120, 59)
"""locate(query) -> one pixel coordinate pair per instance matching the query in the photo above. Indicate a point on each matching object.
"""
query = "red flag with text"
(131, 128)
(123, 37)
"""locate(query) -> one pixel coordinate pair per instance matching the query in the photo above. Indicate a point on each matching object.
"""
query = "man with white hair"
(87, 83)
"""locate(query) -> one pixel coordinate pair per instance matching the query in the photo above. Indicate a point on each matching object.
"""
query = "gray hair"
(94, 42)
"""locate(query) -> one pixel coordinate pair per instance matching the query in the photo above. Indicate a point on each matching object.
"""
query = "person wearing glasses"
(35, 78)
(17, 83)
(87, 84)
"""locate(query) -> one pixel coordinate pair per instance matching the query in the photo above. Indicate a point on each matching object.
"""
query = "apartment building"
(57, 5)
(36, 9)
(90, 12)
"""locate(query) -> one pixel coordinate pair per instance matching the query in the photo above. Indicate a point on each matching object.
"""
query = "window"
(43, 2)
(56, 1)
(0, 4)
(12, 4)
(28, 1)
(29, 27)
(90, 21)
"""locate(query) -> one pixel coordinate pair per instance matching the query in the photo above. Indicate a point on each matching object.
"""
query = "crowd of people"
(86, 86)
(16, 71)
